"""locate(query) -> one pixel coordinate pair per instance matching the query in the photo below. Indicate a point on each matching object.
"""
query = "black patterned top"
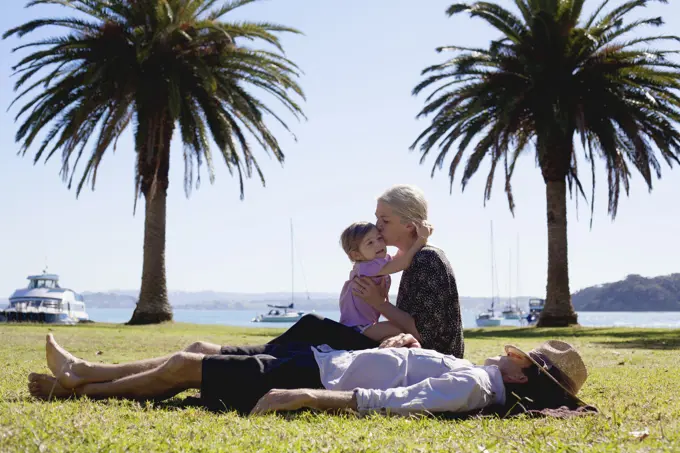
(429, 294)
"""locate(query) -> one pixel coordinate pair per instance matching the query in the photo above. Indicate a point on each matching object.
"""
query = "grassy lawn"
(634, 380)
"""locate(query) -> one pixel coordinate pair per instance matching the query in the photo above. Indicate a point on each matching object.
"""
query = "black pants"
(317, 330)
(238, 377)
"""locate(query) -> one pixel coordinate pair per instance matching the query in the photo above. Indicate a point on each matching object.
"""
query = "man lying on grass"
(274, 377)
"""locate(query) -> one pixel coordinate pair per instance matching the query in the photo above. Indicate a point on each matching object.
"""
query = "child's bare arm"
(403, 261)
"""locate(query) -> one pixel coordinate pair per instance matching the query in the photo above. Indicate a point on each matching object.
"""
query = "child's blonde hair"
(351, 238)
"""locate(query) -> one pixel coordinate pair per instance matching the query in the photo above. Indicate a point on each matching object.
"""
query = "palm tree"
(554, 75)
(160, 64)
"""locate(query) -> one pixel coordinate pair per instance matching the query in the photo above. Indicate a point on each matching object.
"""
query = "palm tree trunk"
(558, 311)
(153, 306)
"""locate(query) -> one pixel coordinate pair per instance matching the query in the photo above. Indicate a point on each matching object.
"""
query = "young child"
(366, 248)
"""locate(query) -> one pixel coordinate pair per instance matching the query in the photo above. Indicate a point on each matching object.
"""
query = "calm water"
(243, 318)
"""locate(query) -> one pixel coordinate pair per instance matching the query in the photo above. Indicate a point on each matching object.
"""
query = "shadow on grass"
(620, 338)
(643, 343)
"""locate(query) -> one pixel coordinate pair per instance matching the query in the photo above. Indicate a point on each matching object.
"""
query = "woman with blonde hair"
(427, 305)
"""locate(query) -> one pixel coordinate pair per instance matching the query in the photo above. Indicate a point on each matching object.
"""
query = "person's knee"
(201, 347)
(177, 366)
(310, 318)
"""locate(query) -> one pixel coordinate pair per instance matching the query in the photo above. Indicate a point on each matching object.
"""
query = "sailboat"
(284, 313)
(510, 311)
(488, 318)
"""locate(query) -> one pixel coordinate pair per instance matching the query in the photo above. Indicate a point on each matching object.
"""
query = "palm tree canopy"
(553, 74)
(160, 64)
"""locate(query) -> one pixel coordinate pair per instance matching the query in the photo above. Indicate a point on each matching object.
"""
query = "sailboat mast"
(493, 272)
(518, 286)
(292, 265)
(510, 279)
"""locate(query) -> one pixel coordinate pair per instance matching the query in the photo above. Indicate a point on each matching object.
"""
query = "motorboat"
(280, 313)
(43, 300)
(535, 309)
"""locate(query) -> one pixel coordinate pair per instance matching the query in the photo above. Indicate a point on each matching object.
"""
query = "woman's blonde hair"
(408, 202)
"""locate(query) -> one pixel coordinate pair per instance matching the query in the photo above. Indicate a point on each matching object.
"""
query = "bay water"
(243, 318)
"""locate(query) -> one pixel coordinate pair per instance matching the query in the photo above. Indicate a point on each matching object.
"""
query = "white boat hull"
(511, 316)
(292, 317)
(488, 322)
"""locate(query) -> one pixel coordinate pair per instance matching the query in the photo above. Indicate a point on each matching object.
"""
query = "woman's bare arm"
(375, 295)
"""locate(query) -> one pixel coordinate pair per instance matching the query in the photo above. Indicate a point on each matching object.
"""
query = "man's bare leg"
(180, 372)
(73, 372)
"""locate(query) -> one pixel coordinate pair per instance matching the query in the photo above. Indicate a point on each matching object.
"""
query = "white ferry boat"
(43, 300)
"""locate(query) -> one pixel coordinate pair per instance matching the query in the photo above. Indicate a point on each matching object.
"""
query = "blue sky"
(361, 60)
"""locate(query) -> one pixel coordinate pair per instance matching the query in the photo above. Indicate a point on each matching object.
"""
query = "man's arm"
(289, 400)
(456, 391)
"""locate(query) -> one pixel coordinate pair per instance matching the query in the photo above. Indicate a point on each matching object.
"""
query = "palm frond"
(160, 65)
(550, 79)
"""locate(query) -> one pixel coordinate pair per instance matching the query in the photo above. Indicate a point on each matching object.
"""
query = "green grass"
(634, 380)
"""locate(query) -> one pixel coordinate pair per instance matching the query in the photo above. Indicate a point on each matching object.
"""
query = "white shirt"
(404, 380)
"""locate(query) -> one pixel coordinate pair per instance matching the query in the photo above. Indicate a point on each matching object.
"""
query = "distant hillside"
(635, 293)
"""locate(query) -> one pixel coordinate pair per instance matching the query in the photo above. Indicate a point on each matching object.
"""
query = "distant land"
(634, 293)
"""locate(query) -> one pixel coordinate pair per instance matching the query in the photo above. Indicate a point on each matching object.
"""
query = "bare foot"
(61, 363)
(46, 387)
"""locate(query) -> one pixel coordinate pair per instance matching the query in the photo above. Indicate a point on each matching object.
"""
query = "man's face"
(511, 367)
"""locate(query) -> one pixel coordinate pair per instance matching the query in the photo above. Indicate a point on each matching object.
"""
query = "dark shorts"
(238, 379)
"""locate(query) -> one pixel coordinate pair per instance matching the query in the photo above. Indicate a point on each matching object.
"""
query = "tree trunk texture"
(153, 306)
(558, 310)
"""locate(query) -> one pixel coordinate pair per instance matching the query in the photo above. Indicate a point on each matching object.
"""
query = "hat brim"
(518, 351)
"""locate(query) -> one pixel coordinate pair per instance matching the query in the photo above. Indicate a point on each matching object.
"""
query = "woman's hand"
(282, 400)
(403, 340)
(374, 295)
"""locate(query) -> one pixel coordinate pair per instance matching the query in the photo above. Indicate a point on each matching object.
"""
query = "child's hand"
(423, 230)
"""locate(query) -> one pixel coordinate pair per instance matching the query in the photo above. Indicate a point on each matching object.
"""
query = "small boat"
(535, 308)
(280, 313)
(43, 300)
(510, 312)
(284, 313)
(488, 319)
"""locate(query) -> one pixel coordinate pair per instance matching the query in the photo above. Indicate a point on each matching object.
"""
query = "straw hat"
(572, 372)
